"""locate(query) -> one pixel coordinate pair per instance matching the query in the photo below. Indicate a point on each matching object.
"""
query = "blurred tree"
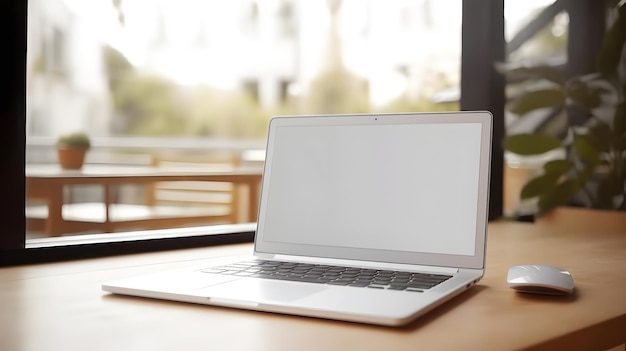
(422, 104)
(149, 106)
(118, 68)
(143, 105)
(215, 112)
(117, 5)
(336, 90)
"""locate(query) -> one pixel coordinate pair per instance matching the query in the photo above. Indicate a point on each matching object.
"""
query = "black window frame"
(486, 33)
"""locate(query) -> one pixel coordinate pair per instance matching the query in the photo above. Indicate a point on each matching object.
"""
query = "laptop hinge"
(360, 264)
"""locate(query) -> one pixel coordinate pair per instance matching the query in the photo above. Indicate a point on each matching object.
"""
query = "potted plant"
(71, 149)
(593, 172)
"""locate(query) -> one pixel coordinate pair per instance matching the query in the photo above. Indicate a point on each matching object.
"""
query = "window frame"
(13, 123)
(482, 87)
(13, 246)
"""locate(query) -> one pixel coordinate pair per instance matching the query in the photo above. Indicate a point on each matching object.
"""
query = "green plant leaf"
(549, 73)
(620, 144)
(559, 195)
(559, 167)
(586, 149)
(619, 120)
(583, 94)
(601, 135)
(537, 99)
(581, 178)
(539, 185)
(613, 43)
(608, 188)
(604, 199)
(531, 144)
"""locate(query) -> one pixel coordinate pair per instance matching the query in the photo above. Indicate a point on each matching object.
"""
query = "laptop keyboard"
(332, 275)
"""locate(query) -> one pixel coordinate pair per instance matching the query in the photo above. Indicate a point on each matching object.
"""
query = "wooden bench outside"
(167, 204)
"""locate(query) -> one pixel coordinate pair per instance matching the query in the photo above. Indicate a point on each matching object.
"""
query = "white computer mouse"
(540, 279)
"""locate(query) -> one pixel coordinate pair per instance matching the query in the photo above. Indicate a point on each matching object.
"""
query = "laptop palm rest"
(249, 290)
(353, 304)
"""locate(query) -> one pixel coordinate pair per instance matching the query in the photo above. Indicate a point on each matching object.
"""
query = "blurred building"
(67, 86)
(272, 49)
(275, 48)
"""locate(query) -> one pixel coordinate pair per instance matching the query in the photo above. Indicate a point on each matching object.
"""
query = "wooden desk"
(47, 182)
(60, 306)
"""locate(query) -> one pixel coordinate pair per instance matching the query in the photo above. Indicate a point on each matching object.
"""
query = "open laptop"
(373, 218)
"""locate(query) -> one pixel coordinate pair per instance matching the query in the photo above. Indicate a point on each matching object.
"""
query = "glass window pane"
(547, 46)
(188, 87)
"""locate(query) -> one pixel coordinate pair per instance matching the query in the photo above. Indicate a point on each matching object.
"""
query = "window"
(353, 31)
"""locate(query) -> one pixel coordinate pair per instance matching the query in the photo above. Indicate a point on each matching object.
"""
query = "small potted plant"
(71, 149)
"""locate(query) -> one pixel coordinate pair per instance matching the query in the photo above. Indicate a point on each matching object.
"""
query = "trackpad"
(261, 290)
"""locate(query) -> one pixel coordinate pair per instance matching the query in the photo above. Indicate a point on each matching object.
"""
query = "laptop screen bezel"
(475, 261)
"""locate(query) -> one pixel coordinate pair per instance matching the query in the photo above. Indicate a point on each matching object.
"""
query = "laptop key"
(243, 274)
(334, 282)
(396, 287)
(381, 281)
(414, 290)
(213, 270)
(360, 284)
(377, 286)
(419, 286)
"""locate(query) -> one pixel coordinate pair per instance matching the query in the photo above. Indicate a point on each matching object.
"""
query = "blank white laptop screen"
(399, 187)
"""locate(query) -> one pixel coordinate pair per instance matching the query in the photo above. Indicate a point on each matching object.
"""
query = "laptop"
(371, 218)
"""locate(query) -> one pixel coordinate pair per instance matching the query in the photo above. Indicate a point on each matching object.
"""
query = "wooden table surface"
(60, 306)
